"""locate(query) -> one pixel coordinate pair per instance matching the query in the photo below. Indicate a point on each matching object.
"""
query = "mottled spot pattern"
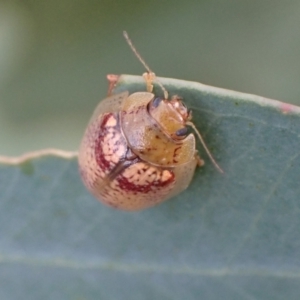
(110, 146)
(123, 177)
(142, 178)
(124, 184)
(101, 149)
(138, 186)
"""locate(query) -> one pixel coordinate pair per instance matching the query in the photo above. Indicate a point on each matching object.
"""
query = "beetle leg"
(149, 78)
(200, 162)
(112, 80)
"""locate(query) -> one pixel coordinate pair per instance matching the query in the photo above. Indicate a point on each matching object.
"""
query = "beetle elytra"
(136, 151)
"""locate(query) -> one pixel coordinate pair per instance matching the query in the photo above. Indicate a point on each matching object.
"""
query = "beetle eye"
(181, 132)
(156, 102)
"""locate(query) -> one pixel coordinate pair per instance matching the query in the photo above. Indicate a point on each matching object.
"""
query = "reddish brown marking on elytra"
(128, 186)
(175, 154)
(102, 162)
(105, 119)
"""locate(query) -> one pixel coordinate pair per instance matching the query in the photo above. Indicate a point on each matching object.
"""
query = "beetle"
(136, 151)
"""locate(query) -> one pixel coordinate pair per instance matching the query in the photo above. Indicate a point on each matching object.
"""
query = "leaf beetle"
(136, 151)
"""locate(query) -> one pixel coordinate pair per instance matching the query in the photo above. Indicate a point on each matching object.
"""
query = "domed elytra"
(136, 151)
(128, 160)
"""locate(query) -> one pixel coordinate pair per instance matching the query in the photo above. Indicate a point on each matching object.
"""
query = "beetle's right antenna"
(151, 73)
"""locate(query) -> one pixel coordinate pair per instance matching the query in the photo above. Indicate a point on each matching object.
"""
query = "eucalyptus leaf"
(228, 236)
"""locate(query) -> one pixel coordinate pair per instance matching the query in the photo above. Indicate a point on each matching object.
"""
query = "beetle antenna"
(137, 54)
(205, 147)
(129, 42)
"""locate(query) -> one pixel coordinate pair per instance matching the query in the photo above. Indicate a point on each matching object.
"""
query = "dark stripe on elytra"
(120, 167)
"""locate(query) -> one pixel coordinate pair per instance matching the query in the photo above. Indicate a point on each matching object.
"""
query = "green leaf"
(231, 236)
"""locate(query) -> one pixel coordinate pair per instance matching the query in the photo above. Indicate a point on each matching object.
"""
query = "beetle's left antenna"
(205, 147)
(137, 54)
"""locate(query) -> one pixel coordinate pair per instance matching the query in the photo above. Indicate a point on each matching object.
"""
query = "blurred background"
(54, 56)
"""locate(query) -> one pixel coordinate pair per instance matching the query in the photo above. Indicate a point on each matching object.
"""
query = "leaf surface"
(231, 236)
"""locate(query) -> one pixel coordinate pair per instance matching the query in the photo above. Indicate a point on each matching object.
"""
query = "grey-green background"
(54, 56)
